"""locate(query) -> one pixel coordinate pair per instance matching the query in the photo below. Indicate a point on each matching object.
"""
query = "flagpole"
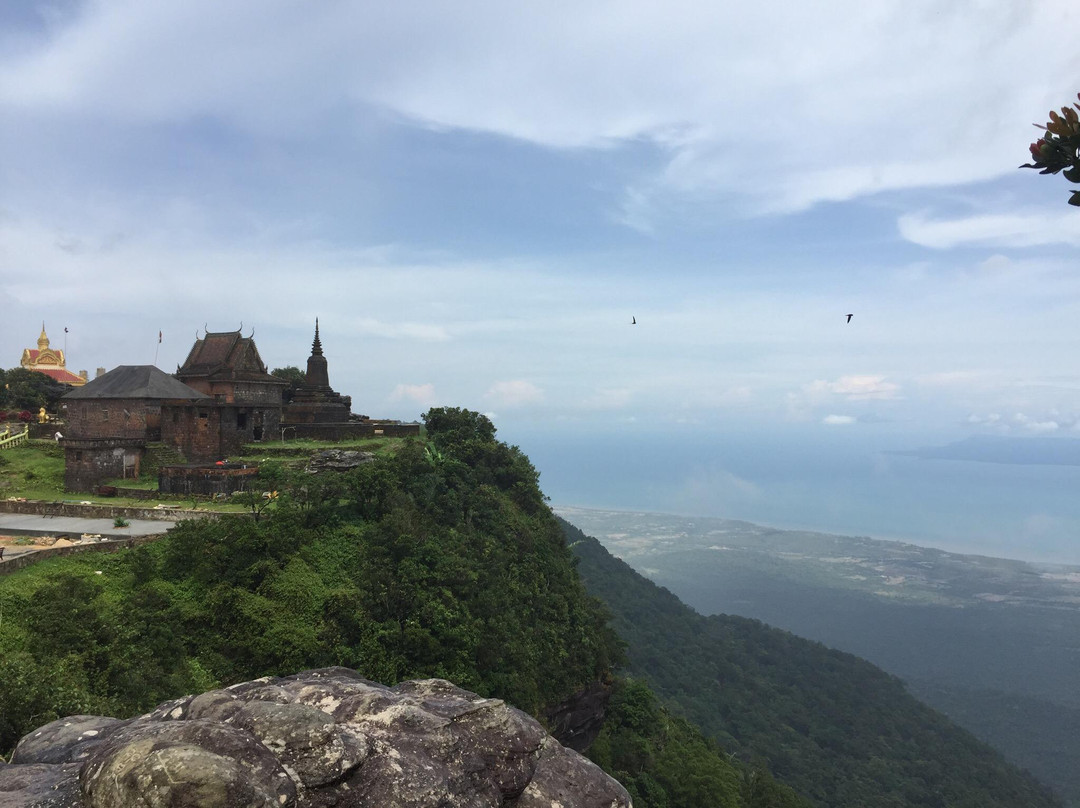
(157, 347)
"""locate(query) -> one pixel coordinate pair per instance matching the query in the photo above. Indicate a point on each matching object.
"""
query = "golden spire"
(43, 340)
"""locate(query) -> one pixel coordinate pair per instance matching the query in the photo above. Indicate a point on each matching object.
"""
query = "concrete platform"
(72, 527)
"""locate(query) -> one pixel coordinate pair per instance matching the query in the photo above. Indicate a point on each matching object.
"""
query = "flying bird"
(633, 320)
(849, 317)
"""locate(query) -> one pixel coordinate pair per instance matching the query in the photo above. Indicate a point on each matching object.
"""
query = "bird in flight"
(633, 320)
(849, 317)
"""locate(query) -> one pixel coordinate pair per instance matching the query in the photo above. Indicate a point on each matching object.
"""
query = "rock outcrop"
(320, 738)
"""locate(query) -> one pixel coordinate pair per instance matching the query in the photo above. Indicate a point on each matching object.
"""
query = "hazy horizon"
(801, 480)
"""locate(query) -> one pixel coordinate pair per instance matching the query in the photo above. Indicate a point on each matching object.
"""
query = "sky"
(476, 200)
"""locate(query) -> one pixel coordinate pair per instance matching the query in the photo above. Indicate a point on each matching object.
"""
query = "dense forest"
(438, 559)
(837, 729)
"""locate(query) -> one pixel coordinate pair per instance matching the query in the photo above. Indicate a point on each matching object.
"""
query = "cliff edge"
(319, 738)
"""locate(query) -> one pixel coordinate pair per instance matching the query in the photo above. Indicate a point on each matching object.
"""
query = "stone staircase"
(158, 455)
(9, 440)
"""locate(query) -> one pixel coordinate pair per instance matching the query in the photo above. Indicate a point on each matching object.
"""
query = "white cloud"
(838, 420)
(1034, 425)
(854, 106)
(853, 388)
(422, 394)
(1010, 229)
(514, 393)
(608, 399)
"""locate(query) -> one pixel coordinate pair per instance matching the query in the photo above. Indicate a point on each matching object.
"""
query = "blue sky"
(476, 198)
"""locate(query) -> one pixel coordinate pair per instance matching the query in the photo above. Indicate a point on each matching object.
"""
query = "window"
(241, 420)
(104, 415)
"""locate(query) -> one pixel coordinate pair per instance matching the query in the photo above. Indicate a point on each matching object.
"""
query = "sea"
(833, 479)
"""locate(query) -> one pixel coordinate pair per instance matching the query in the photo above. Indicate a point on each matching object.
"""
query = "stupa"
(315, 401)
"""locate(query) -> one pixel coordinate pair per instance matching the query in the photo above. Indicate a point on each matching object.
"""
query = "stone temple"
(315, 401)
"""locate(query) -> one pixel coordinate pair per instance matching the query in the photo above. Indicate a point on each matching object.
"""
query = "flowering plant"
(1059, 149)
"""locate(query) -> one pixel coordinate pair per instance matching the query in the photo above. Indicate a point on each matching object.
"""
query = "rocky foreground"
(319, 738)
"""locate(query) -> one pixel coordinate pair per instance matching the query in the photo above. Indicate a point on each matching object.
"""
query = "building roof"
(226, 355)
(136, 381)
(62, 375)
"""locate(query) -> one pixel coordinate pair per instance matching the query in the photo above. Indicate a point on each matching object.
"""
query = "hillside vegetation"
(832, 726)
(439, 559)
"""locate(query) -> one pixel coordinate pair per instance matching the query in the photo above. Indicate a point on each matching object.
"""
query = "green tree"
(294, 376)
(22, 389)
(1059, 149)
(454, 427)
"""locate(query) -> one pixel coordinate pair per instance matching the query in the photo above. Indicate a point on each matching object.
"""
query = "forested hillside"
(440, 559)
(833, 726)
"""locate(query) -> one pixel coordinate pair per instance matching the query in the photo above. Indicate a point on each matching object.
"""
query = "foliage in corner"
(1059, 149)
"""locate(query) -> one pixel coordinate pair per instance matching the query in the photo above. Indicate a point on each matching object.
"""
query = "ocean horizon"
(816, 479)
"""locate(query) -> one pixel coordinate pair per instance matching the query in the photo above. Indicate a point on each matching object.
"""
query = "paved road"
(19, 524)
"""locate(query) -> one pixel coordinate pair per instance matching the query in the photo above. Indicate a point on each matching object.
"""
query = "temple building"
(315, 402)
(51, 362)
(226, 367)
(220, 400)
(111, 420)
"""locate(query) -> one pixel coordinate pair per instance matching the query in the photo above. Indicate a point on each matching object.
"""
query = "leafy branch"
(1059, 149)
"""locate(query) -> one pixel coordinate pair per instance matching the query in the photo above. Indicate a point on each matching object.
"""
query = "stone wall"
(38, 508)
(10, 565)
(89, 463)
(113, 418)
(215, 431)
(350, 430)
(205, 480)
(193, 430)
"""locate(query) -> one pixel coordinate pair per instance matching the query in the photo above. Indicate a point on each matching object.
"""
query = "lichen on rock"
(318, 738)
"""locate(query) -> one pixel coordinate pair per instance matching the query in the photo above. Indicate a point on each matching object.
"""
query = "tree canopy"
(22, 389)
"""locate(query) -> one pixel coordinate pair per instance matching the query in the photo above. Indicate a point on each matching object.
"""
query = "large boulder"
(319, 738)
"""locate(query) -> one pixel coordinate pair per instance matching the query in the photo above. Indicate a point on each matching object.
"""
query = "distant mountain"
(990, 642)
(999, 449)
(834, 727)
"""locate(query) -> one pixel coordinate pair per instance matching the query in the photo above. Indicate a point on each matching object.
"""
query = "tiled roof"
(225, 355)
(136, 381)
(60, 375)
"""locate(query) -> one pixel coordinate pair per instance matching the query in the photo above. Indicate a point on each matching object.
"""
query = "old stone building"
(220, 399)
(226, 367)
(315, 401)
(317, 412)
(111, 419)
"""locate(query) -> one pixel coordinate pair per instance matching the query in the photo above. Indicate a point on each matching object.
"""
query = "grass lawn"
(35, 470)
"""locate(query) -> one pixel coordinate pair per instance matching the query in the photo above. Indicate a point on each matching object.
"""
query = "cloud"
(1050, 422)
(1034, 425)
(712, 490)
(854, 107)
(608, 399)
(854, 388)
(514, 393)
(422, 394)
(992, 230)
(838, 420)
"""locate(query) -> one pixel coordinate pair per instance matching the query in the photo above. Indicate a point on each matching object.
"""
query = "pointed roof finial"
(43, 340)
(316, 346)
